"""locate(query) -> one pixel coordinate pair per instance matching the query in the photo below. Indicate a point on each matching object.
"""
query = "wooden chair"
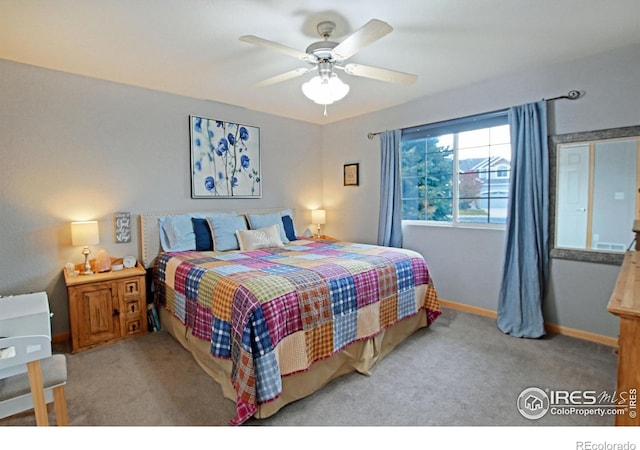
(30, 376)
(29, 380)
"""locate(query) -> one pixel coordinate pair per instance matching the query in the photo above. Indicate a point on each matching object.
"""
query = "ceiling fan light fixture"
(324, 90)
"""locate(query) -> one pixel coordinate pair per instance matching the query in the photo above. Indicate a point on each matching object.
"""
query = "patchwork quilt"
(275, 311)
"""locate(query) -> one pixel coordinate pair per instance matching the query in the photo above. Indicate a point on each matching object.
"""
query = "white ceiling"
(191, 47)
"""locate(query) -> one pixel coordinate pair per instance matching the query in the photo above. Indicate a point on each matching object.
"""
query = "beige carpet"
(461, 371)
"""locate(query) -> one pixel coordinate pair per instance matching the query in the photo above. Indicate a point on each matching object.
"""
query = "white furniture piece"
(30, 376)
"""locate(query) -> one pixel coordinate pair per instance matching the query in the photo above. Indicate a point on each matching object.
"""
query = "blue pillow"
(203, 234)
(223, 231)
(289, 212)
(289, 229)
(257, 221)
(176, 233)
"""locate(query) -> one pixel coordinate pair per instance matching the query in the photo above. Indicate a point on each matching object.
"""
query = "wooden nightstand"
(105, 307)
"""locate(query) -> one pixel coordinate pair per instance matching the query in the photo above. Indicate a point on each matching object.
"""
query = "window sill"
(477, 226)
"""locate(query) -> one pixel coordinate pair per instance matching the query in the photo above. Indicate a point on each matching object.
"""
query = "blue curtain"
(390, 221)
(526, 259)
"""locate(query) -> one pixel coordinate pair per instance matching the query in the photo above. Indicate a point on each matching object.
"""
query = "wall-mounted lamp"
(85, 234)
(319, 217)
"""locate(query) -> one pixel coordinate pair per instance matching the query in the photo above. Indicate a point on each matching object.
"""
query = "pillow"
(176, 233)
(289, 212)
(223, 231)
(289, 228)
(260, 238)
(257, 221)
(203, 234)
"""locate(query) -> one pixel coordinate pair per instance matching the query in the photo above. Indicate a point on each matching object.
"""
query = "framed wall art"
(351, 174)
(122, 227)
(225, 159)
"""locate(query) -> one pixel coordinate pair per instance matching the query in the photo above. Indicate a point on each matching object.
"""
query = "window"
(457, 171)
(502, 171)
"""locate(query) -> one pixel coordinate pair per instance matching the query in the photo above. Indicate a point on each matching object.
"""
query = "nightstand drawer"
(133, 307)
(132, 287)
(134, 326)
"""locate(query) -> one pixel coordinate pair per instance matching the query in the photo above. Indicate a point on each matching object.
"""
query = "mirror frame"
(595, 256)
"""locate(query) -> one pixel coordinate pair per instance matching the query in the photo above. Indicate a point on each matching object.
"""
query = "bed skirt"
(358, 356)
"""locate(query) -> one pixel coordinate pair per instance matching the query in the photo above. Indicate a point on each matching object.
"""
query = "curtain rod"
(571, 95)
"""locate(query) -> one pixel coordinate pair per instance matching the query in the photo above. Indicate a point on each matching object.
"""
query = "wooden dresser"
(625, 303)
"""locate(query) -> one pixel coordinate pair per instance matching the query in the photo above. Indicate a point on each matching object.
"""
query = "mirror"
(594, 195)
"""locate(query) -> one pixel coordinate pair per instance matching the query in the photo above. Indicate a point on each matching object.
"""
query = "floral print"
(225, 159)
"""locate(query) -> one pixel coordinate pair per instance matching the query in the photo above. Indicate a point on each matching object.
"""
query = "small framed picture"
(122, 227)
(351, 174)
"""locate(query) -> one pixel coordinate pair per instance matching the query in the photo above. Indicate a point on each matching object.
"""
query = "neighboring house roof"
(482, 164)
(467, 165)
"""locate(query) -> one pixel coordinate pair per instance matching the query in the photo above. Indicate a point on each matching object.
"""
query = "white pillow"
(257, 221)
(260, 238)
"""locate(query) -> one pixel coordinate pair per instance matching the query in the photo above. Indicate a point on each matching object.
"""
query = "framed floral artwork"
(225, 159)
(351, 174)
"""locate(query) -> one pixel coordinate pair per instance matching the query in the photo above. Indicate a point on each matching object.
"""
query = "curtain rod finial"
(573, 95)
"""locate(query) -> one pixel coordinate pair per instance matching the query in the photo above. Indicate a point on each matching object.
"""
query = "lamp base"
(87, 264)
(318, 232)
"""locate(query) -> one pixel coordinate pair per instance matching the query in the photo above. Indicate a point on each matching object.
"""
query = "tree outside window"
(459, 177)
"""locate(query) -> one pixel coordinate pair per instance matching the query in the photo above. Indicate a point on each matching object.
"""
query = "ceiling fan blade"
(282, 77)
(356, 41)
(376, 73)
(278, 47)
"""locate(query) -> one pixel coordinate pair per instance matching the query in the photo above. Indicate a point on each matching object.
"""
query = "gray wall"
(76, 148)
(466, 263)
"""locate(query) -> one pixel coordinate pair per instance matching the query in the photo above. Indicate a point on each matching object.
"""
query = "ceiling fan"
(326, 56)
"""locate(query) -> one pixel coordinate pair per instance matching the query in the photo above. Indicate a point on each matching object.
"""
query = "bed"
(273, 316)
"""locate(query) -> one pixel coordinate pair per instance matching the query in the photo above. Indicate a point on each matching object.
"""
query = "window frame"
(455, 126)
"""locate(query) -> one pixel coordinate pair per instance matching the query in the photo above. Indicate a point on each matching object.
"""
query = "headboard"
(150, 233)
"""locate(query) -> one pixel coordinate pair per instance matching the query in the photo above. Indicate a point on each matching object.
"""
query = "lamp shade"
(318, 216)
(85, 233)
(325, 90)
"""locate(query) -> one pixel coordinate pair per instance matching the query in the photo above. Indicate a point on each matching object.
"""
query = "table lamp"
(319, 217)
(85, 234)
